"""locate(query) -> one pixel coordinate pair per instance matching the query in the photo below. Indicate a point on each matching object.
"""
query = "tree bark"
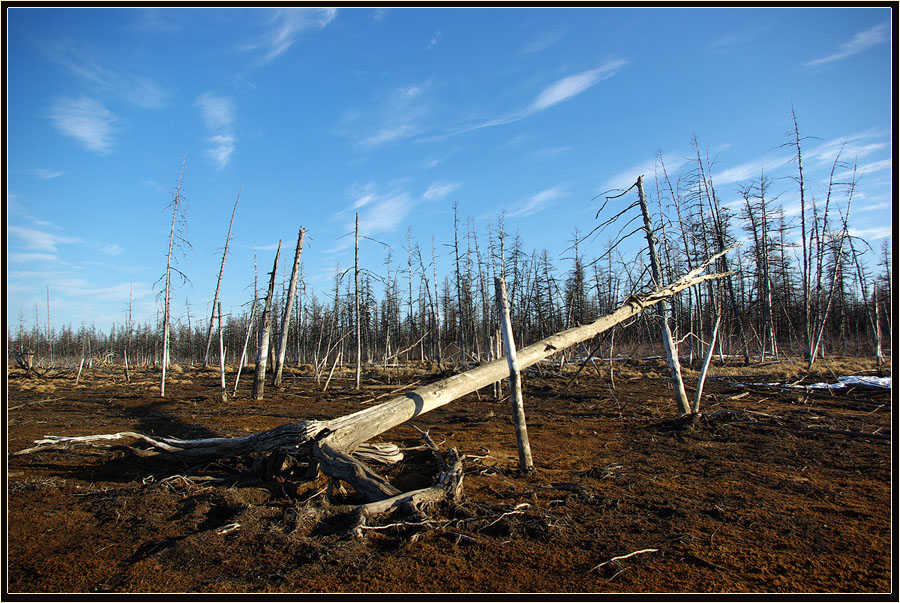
(265, 327)
(526, 464)
(286, 318)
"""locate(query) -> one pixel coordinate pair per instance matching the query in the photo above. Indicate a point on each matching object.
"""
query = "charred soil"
(769, 490)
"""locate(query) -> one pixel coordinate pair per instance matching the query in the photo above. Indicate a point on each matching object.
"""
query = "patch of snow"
(863, 381)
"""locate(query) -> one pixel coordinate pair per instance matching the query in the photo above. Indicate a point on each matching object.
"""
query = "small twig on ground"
(620, 557)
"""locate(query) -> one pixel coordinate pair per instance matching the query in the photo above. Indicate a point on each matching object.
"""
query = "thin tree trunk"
(706, 361)
(515, 380)
(219, 282)
(807, 325)
(78, 376)
(237, 378)
(286, 317)
(671, 351)
(222, 356)
(168, 291)
(265, 327)
(358, 373)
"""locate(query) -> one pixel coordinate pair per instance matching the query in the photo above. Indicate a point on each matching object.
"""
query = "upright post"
(515, 379)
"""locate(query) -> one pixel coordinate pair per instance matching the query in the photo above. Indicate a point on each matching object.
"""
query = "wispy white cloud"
(542, 41)
(39, 240)
(386, 214)
(31, 258)
(217, 113)
(573, 85)
(873, 207)
(109, 248)
(850, 147)
(87, 121)
(865, 169)
(880, 34)
(439, 190)
(45, 174)
(871, 234)
(382, 209)
(434, 40)
(221, 149)
(286, 25)
(628, 176)
(390, 134)
(104, 76)
(749, 169)
(554, 94)
(536, 202)
(401, 116)
(549, 153)
(380, 13)
(363, 200)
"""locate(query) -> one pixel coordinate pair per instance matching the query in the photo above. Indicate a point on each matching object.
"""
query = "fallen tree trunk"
(330, 443)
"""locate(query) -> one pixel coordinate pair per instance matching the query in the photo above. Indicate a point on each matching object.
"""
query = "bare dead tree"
(265, 328)
(286, 316)
(176, 242)
(209, 331)
(669, 344)
(526, 464)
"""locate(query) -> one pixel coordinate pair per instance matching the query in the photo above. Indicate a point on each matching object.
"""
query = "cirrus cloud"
(87, 121)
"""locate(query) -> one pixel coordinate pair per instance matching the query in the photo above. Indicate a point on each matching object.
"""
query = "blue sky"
(315, 114)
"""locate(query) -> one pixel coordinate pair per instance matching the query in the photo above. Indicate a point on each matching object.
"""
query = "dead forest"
(829, 294)
(686, 302)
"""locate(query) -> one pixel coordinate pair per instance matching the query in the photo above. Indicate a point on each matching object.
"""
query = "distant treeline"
(800, 287)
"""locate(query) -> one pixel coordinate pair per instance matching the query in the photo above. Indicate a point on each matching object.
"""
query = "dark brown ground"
(751, 501)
